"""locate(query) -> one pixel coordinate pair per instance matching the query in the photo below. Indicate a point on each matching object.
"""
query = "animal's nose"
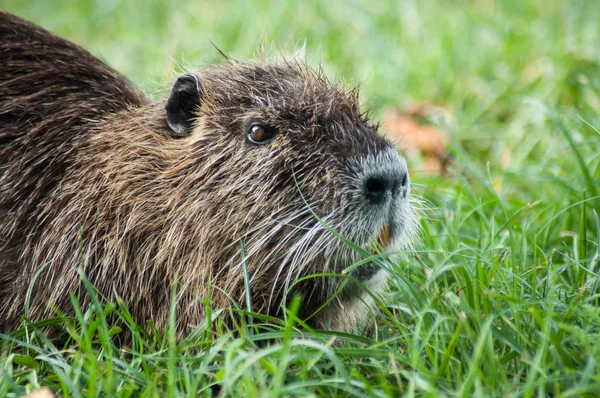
(386, 183)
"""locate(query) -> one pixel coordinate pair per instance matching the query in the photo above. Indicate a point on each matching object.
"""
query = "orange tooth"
(384, 236)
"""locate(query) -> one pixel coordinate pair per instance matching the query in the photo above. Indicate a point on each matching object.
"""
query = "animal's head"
(286, 164)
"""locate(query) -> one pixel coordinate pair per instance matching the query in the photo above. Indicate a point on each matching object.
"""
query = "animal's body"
(140, 195)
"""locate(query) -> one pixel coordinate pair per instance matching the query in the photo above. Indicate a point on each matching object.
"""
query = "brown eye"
(260, 134)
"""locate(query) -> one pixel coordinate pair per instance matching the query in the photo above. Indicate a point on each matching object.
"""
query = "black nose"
(383, 185)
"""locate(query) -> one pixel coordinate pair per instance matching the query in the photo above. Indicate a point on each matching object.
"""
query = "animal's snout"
(380, 186)
(386, 180)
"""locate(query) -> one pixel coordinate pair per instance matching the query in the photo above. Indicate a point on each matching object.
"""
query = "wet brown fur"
(91, 178)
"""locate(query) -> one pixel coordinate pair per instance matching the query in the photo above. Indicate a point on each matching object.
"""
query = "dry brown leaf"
(414, 137)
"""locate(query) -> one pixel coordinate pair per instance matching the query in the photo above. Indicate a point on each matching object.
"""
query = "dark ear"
(184, 100)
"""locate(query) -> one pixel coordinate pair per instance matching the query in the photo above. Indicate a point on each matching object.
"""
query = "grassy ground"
(501, 298)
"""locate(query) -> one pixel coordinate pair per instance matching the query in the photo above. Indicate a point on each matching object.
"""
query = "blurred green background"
(459, 53)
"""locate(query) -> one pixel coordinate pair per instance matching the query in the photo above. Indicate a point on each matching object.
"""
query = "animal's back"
(52, 94)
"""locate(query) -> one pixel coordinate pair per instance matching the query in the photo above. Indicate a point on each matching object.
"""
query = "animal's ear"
(183, 102)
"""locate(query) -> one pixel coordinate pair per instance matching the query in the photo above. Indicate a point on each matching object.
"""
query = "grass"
(502, 295)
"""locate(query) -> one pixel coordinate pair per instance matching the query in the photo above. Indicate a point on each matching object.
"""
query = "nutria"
(260, 166)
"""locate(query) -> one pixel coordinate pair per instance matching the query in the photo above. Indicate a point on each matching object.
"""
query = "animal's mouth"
(375, 246)
(379, 242)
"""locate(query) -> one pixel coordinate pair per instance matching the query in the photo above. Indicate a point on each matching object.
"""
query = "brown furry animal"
(140, 195)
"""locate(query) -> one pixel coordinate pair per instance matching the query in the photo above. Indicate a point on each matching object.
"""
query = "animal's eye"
(260, 134)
